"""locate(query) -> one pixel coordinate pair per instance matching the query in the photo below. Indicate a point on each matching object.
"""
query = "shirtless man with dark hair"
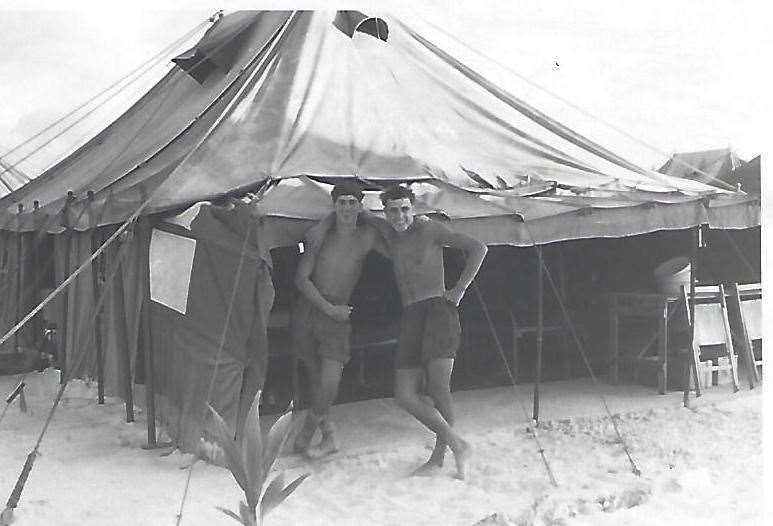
(328, 271)
(430, 330)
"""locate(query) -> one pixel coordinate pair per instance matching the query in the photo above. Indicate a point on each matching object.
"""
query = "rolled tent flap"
(222, 327)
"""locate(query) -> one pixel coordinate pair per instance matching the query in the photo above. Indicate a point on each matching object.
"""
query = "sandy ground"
(699, 466)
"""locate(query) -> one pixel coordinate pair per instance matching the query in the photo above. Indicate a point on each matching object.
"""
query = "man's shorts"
(316, 335)
(429, 329)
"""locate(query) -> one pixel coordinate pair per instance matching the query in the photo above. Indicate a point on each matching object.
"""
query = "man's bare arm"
(381, 225)
(475, 253)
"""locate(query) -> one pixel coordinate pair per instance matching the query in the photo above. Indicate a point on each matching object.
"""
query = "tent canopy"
(288, 94)
(11, 178)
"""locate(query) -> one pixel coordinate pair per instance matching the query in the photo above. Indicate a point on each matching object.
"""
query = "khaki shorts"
(316, 335)
(429, 329)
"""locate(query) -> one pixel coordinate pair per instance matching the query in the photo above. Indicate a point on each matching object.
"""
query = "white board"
(171, 263)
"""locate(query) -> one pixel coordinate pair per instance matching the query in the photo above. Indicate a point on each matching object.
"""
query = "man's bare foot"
(429, 469)
(435, 462)
(306, 433)
(462, 456)
(327, 446)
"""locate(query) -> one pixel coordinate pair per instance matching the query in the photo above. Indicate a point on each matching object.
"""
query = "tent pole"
(95, 272)
(36, 328)
(147, 339)
(691, 371)
(122, 337)
(18, 277)
(540, 330)
(62, 358)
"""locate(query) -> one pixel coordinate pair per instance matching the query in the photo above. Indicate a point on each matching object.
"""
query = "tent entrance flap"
(192, 324)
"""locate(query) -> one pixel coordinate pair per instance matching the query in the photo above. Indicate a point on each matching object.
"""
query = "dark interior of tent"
(581, 272)
(504, 296)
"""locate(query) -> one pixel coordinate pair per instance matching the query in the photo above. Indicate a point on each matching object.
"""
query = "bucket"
(671, 274)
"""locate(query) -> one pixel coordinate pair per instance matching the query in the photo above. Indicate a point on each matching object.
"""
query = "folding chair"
(712, 327)
(745, 304)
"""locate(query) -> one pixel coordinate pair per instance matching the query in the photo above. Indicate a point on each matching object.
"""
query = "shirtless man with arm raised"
(327, 273)
(430, 330)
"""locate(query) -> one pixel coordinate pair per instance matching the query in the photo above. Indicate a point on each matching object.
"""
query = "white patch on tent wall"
(171, 263)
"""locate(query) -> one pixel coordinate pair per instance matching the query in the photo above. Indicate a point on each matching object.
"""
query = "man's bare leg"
(310, 424)
(407, 385)
(438, 387)
(329, 380)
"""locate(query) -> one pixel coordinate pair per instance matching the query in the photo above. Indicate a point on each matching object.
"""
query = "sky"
(668, 76)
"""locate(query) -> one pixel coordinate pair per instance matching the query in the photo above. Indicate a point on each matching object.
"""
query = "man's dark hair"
(346, 188)
(397, 192)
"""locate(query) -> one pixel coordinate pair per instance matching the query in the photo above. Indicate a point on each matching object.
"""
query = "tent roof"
(277, 94)
(11, 178)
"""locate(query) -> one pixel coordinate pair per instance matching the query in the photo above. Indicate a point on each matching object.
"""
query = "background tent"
(713, 167)
(748, 175)
(281, 103)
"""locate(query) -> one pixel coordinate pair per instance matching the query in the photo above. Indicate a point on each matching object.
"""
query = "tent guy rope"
(221, 344)
(147, 66)
(531, 426)
(271, 43)
(569, 103)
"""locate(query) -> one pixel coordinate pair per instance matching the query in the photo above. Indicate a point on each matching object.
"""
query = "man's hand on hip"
(454, 295)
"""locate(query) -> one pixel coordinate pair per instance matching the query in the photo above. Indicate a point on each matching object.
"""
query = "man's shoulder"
(431, 227)
(366, 230)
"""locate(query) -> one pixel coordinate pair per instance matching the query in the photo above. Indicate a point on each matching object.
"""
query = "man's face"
(399, 213)
(347, 208)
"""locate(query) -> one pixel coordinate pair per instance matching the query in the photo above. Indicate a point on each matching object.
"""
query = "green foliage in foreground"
(250, 459)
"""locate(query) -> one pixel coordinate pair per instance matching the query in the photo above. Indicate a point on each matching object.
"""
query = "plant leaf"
(292, 486)
(233, 460)
(276, 439)
(230, 514)
(271, 498)
(286, 492)
(252, 453)
(248, 516)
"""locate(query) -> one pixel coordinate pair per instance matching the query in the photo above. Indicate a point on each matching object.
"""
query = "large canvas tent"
(281, 103)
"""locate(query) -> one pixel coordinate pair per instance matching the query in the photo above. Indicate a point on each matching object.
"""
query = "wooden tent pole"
(540, 330)
(96, 239)
(66, 294)
(18, 277)
(147, 338)
(692, 371)
(36, 326)
(122, 337)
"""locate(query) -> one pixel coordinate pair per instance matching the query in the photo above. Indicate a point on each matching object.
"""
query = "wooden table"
(645, 305)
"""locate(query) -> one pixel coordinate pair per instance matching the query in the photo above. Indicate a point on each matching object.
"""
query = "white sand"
(701, 466)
